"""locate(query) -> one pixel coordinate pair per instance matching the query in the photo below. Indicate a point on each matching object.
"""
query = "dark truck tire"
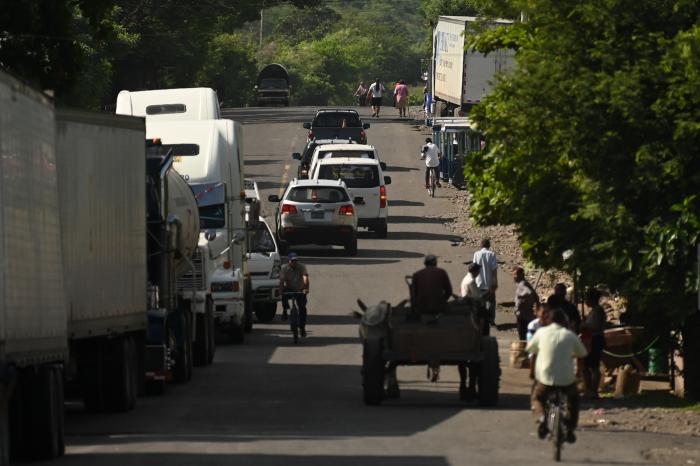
(490, 373)
(183, 360)
(373, 371)
(120, 374)
(351, 247)
(201, 347)
(265, 312)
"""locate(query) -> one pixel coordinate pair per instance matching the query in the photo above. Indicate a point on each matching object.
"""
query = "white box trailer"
(463, 77)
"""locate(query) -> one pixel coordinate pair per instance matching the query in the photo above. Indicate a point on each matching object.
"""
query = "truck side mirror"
(307, 125)
(387, 180)
(365, 126)
(273, 198)
(296, 156)
(382, 165)
(359, 200)
(210, 235)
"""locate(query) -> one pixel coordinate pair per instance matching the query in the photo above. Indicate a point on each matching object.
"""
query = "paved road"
(268, 402)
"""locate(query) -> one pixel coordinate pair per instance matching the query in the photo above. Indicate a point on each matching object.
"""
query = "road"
(268, 402)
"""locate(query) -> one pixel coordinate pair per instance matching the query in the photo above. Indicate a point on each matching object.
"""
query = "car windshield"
(261, 239)
(354, 176)
(273, 83)
(335, 120)
(212, 216)
(362, 154)
(318, 194)
(162, 109)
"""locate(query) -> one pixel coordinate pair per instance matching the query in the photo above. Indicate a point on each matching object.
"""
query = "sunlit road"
(268, 402)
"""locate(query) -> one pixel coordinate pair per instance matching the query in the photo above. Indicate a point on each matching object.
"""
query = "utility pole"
(261, 23)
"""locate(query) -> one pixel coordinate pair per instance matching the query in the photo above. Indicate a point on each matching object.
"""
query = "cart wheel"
(490, 374)
(372, 371)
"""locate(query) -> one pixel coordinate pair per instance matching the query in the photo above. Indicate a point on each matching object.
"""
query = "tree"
(593, 147)
(230, 69)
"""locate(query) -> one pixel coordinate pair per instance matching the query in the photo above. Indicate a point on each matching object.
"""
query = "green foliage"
(593, 146)
(229, 67)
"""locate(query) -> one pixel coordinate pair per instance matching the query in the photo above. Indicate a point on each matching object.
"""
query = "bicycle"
(432, 183)
(294, 313)
(556, 415)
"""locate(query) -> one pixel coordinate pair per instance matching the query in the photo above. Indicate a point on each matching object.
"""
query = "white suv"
(364, 178)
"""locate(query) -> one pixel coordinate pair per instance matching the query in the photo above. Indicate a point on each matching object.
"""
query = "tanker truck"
(79, 270)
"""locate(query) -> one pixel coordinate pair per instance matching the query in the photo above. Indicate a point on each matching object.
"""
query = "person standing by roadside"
(469, 289)
(361, 94)
(401, 93)
(377, 90)
(295, 279)
(559, 301)
(431, 154)
(525, 299)
(593, 333)
(488, 276)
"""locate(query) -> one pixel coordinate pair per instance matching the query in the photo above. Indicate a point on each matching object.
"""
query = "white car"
(328, 151)
(364, 178)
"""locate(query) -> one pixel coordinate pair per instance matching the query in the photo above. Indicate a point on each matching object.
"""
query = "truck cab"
(196, 103)
(208, 157)
(272, 86)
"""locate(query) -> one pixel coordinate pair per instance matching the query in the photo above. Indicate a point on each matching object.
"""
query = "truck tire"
(373, 371)
(183, 360)
(382, 229)
(120, 368)
(45, 409)
(490, 374)
(236, 334)
(90, 374)
(212, 330)
(351, 247)
(265, 312)
(202, 343)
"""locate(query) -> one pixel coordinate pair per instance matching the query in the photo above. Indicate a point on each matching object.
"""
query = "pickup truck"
(337, 124)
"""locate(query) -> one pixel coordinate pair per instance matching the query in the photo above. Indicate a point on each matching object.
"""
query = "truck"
(75, 300)
(460, 77)
(337, 123)
(272, 86)
(194, 103)
(207, 154)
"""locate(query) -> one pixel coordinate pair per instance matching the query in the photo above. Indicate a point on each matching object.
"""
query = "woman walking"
(401, 92)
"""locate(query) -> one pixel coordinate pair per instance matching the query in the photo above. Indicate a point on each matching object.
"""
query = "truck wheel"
(490, 374)
(155, 387)
(90, 374)
(265, 312)
(183, 361)
(202, 343)
(373, 371)
(351, 247)
(236, 333)
(382, 229)
(20, 436)
(45, 409)
(120, 368)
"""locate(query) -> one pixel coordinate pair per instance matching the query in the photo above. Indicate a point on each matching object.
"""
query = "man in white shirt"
(469, 289)
(377, 90)
(431, 154)
(487, 280)
(556, 347)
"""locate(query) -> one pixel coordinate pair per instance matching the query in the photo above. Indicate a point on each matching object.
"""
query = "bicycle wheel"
(557, 431)
(294, 322)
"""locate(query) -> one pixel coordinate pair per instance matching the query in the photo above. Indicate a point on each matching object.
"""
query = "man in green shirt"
(556, 347)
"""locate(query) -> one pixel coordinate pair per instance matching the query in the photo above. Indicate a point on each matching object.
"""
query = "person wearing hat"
(431, 287)
(294, 278)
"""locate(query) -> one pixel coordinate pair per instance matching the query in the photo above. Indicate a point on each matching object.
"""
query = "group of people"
(374, 95)
(551, 328)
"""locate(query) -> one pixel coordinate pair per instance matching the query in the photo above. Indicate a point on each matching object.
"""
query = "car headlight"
(225, 287)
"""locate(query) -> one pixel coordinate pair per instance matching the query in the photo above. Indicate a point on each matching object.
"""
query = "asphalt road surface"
(269, 402)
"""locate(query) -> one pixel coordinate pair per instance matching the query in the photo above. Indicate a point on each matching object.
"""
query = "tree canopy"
(593, 146)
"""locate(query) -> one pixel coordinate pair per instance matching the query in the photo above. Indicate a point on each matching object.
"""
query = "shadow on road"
(395, 168)
(420, 235)
(263, 162)
(418, 219)
(310, 254)
(404, 203)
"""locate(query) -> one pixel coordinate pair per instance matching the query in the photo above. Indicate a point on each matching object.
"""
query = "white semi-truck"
(460, 77)
(94, 238)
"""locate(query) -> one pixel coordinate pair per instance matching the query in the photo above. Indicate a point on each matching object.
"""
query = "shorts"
(592, 361)
(376, 101)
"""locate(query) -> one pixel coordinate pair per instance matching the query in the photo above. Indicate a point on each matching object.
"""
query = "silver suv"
(317, 212)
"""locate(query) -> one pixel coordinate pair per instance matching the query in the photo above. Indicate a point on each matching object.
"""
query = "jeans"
(301, 306)
(539, 398)
(427, 175)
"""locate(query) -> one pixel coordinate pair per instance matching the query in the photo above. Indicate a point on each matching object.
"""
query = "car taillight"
(347, 210)
(311, 135)
(382, 197)
(288, 209)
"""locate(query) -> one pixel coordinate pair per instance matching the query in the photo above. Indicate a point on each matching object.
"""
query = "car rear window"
(354, 176)
(362, 154)
(162, 109)
(335, 120)
(319, 194)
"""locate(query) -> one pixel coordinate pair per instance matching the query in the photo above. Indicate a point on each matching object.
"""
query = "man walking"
(295, 279)
(487, 280)
(525, 299)
(377, 91)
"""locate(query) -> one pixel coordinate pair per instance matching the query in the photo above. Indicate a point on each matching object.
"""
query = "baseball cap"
(292, 256)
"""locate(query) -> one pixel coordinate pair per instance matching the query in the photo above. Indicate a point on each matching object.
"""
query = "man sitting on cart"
(431, 288)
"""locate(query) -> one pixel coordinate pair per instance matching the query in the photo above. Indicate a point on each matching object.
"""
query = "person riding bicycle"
(361, 94)
(556, 347)
(432, 155)
(295, 279)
